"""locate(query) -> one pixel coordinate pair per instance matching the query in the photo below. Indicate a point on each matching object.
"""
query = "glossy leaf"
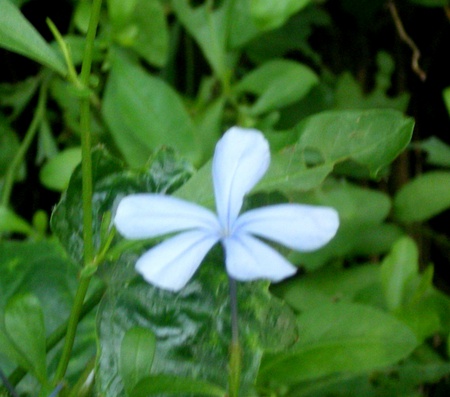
(156, 384)
(192, 327)
(423, 198)
(111, 182)
(18, 35)
(136, 356)
(337, 338)
(144, 114)
(24, 325)
(277, 83)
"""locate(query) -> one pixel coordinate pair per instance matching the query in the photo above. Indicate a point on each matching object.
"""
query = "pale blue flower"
(241, 158)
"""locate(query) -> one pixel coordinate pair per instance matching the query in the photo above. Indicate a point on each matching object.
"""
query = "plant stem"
(58, 334)
(235, 347)
(86, 169)
(27, 140)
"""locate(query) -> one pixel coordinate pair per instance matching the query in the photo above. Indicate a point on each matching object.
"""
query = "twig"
(404, 36)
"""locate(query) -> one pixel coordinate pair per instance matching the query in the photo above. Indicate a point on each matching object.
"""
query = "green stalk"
(86, 168)
(25, 145)
(235, 363)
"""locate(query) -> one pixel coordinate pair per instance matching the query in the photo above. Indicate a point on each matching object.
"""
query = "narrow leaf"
(18, 35)
(136, 356)
(397, 270)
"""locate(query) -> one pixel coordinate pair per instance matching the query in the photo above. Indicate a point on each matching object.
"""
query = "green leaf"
(438, 152)
(144, 114)
(268, 14)
(277, 83)
(423, 198)
(18, 35)
(136, 356)
(43, 269)
(397, 270)
(55, 174)
(209, 28)
(165, 173)
(154, 385)
(372, 138)
(362, 230)
(192, 327)
(328, 285)
(399, 380)
(10, 222)
(24, 325)
(141, 25)
(340, 337)
(287, 172)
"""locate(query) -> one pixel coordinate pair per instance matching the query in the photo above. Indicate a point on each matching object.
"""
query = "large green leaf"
(339, 338)
(18, 35)
(399, 380)
(144, 114)
(157, 384)
(424, 197)
(372, 138)
(328, 285)
(277, 83)
(192, 327)
(111, 183)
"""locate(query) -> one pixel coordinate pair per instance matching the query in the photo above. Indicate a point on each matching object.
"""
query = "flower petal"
(297, 226)
(248, 259)
(241, 158)
(171, 264)
(149, 215)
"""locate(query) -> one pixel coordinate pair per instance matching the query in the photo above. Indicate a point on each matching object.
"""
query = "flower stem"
(86, 169)
(235, 348)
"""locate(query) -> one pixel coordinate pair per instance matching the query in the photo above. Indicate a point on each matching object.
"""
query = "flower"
(241, 158)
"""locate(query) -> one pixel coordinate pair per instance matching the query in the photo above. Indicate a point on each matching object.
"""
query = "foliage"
(164, 79)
